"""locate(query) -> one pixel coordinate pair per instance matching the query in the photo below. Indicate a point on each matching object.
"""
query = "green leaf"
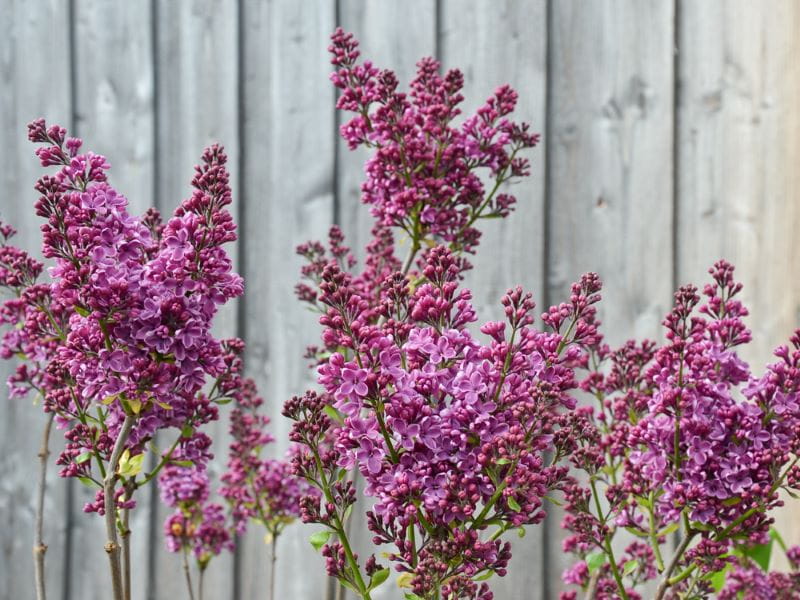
(378, 578)
(412, 596)
(404, 580)
(759, 554)
(717, 579)
(773, 533)
(319, 539)
(733, 501)
(130, 466)
(671, 528)
(595, 560)
(332, 413)
(109, 399)
(187, 431)
(483, 577)
(182, 463)
(82, 311)
(513, 504)
(224, 400)
(83, 457)
(502, 461)
(630, 567)
(87, 481)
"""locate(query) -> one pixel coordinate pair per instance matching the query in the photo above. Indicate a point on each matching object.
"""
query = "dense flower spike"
(685, 438)
(451, 435)
(119, 342)
(425, 176)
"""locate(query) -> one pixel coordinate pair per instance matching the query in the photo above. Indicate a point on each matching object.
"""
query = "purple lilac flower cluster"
(451, 435)
(425, 174)
(685, 438)
(748, 581)
(119, 342)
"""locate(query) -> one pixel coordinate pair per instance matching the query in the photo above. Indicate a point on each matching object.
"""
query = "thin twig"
(664, 585)
(39, 547)
(112, 546)
(187, 573)
(200, 581)
(591, 591)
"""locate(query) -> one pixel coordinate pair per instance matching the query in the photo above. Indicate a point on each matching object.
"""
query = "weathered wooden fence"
(671, 138)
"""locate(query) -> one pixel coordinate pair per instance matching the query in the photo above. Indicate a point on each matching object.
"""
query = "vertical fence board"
(609, 205)
(289, 190)
(495, 43)
(34, 61)
(393, 36)
(739, 186)
(610, 211)
(114, 95)
(196, 82)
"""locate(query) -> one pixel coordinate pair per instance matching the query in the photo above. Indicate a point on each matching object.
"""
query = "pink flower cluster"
(120, 343)
(686, 437)
(451, 435)
(425, 174)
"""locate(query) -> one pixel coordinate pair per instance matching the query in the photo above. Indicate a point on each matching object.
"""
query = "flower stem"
(673, 563)
(126, 553)
(187, 573)
(112, 546)
(39, 547)
(273, 559)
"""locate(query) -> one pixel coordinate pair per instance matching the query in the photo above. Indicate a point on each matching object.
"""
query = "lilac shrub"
(684, 438)
(119, 341)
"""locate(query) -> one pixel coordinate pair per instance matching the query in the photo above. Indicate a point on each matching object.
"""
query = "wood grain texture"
(739, 185)
(196, 81)
(114, 94)
(610, 198)
(395, 36)
(34, 55)
(618, 139)
(288, 195)
(494, 43)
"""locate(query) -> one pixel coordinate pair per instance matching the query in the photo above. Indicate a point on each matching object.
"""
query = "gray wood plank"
(289, 189)
(737, 163)
(197, 102)
(610, 204)
(395, 36)
(115, 107)
(34, 64)
(495, 43)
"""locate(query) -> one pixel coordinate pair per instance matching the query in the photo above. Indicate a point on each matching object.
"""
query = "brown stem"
(591, 591)
(187, 573)
(39, 547)
(200, 581)
(664, 585)
(126, 553)
(112, 546)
